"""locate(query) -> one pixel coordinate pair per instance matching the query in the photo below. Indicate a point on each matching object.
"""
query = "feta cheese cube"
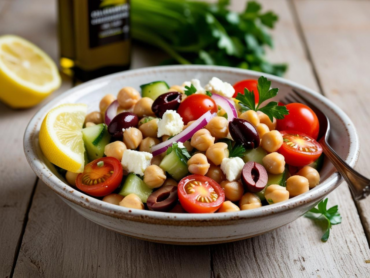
(136, 162)
(217, 86)
(232, 168)
(170, 124)
(196, 84)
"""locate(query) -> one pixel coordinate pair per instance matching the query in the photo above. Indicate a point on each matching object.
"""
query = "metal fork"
(358, 184)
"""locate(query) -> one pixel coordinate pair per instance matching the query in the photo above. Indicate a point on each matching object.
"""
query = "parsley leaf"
(272, 109)
(325, 217)
(190, 90)
(208, 93)
(181, 153)
(235, 150)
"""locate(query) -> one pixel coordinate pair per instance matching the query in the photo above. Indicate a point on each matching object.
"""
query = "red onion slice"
(111, 112)
(227, 105)
(184, 135)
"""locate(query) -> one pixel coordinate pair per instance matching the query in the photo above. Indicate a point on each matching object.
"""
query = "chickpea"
(217, 152)
(198, 164)
(165, 138)
(149, 129)
(221, 112)
(275, 193)
(115, 149)
(233, 190)
(144, 107)
(105, 102)
(187, 125)
(262, 129)
(132, 137)
(272, 141)
(132, 201)
(94, 117)
(71, 178)
(188, 146)
(216, 173)
(228, 207)
(264, 119)
(250, 201)
(127, 97)
(202, 140)
(250, 116)
(176, 88)
(274, 163)
(170, 182)
(88, 124)
(311, 174)
(114, 199)
(297, 185)
(218, 127)
(154, 176)
(147, 143)
(157, 160)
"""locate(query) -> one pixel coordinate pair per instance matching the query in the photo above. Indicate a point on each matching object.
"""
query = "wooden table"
(327, 46)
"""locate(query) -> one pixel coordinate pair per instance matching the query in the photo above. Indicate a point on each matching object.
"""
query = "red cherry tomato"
(301, 118)
(200, 194)
(100, 177)
(194, 106)
(299, 149)
(250, 84)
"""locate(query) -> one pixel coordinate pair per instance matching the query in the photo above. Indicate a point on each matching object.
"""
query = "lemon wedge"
(60, 136)
(27, 74)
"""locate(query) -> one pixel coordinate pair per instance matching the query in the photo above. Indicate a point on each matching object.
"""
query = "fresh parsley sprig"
(181, 153)
(235, 150)
(190, 90)
(325, 217)
(272, 109)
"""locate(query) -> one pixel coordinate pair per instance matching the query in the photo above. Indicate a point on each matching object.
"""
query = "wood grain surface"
(326, 44)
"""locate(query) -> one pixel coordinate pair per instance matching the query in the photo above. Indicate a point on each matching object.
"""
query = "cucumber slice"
(173, 165)
(134, 184)
(255, 155)
(279, 179)
(317, 164)
(95, 138)
(154, 89)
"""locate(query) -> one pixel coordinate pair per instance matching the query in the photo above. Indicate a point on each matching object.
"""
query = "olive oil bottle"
(94, 37)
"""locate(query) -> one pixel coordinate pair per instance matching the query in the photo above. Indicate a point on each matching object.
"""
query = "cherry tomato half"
(194, 106)
(200, 194)
(299, 149)
(100, 177)
(301, 118)
(250, 84)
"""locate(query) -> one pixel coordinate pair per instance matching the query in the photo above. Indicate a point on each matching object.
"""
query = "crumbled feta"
(232, 168)
(180, 145)
(217, 86)
(170, 124)
(135, 161)
(196, 84)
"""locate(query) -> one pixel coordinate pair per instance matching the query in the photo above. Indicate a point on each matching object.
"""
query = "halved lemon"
(27, 74)
(61, 137)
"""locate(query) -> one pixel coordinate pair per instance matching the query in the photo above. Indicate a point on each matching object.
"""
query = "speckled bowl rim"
(33, 154)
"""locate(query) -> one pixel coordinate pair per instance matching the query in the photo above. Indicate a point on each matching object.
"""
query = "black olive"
(122, 120)
(254, 176)
(164, 199)
(167, 101)
(243, 132)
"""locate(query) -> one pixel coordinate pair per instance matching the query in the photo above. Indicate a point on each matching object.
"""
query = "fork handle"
(358, 184)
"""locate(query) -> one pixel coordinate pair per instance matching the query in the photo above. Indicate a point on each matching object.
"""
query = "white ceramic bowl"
(189, 229)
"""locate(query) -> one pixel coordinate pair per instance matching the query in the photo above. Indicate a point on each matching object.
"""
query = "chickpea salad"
(187, 148)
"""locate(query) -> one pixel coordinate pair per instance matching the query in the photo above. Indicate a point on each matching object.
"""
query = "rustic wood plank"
(340, 49)
(296, 250)
(17, 178)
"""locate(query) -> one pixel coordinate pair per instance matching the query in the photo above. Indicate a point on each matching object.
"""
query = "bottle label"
(108, 21)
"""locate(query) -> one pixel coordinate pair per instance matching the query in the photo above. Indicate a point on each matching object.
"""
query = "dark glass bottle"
(94, 37)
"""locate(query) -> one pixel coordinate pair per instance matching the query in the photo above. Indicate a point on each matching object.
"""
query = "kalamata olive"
(167, 101)
(122, 120)
(243, 132)
(164, 199)
(254, 176)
